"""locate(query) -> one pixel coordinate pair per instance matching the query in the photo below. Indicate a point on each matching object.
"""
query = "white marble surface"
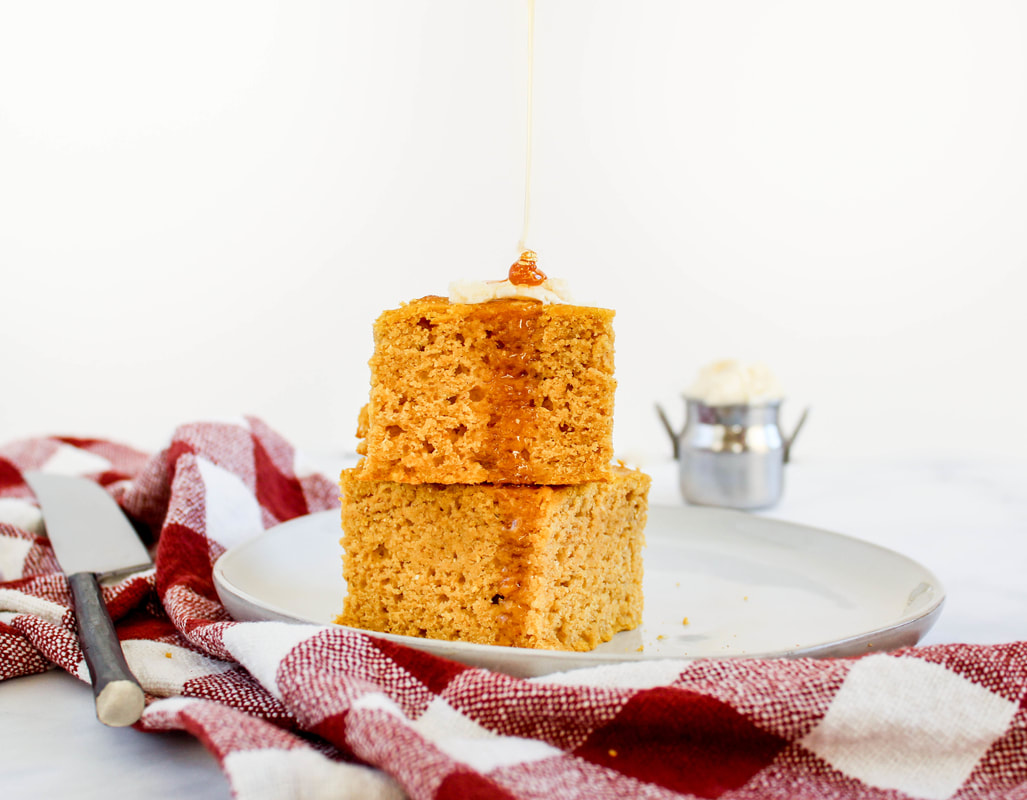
(966, 520)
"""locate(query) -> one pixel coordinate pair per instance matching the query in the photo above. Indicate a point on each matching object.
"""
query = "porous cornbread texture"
(508, 391)
(556, 567)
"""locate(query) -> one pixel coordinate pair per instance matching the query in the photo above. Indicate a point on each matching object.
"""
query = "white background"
(204, 205)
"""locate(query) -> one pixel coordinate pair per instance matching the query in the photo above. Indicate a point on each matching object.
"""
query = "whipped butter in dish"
(732, 382)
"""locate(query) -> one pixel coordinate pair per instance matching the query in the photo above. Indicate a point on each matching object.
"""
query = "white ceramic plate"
(747, 586)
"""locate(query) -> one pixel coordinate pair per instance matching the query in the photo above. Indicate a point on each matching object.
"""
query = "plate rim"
(878, 639)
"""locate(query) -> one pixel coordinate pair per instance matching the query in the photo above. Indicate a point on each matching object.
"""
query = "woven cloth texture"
(294, 710)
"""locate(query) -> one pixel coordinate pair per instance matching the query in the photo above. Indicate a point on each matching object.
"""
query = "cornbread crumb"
(509, 391)
(556, 567)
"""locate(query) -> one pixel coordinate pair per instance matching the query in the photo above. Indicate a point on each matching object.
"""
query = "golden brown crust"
(510, 391)
(557, 567)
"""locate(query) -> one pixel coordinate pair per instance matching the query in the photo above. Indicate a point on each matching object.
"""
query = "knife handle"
(119, 697)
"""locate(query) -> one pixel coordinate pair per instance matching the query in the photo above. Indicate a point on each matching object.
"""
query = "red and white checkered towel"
(309, 711)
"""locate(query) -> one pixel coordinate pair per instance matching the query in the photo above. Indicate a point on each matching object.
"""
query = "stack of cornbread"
(486, 508)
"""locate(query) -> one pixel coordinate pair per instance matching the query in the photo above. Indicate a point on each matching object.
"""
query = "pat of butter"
(552, 290)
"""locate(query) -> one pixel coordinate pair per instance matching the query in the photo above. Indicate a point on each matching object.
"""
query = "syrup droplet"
(525, 271)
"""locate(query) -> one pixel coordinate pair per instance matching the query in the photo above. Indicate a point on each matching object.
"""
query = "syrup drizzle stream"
(523, 244)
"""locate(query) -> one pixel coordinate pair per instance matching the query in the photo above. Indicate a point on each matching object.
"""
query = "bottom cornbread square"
(554, 567)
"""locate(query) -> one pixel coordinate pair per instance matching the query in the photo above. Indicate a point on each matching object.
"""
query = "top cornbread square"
(506, 391)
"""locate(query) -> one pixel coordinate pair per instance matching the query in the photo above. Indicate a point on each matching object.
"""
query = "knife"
(93, 539)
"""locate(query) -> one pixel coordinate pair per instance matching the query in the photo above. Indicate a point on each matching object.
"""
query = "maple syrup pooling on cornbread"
(518, 519)
(525, 271)
(512, 398)
(511, 325)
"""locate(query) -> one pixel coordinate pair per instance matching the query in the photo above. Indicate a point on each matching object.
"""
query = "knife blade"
(93, 539)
